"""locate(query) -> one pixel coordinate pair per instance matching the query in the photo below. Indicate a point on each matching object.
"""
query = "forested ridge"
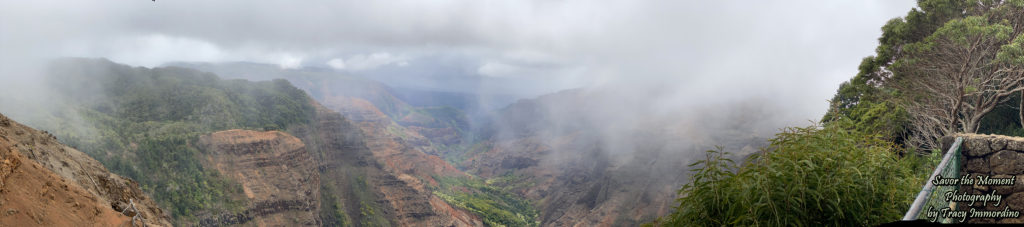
(144, 123)
(948, 66)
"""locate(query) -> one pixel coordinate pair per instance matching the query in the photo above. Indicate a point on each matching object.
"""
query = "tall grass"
(809, 176)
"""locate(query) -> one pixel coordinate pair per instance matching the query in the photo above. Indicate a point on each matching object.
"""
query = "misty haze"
(483, 113)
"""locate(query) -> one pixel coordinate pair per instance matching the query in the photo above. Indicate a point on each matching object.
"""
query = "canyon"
(250, 144)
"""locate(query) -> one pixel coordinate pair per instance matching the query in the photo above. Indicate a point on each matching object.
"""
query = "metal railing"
(948, 168)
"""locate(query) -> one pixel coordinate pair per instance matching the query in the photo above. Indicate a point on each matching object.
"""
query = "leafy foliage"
(886, 119)
(978, 40)
(849, 171)
(1003, 120)
(812, 177)
(332, 208)
(869, 87)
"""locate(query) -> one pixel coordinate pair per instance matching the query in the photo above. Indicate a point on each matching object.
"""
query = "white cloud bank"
(796, 51)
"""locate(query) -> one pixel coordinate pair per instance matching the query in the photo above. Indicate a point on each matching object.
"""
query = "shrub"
(809, 176)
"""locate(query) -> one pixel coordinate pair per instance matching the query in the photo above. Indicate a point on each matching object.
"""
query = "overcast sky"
(795, 52)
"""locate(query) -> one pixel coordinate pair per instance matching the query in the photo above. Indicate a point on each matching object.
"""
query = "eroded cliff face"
(402, 150)
(278, 177)
(46, 183)
(382, 166)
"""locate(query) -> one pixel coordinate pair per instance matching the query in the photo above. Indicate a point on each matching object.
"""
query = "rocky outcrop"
(45, 183)
(278, 177)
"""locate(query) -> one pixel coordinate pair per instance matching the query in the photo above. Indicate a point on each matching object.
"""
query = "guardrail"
(948, 168)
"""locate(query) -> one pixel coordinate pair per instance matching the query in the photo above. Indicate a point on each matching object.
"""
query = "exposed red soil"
(276, 173)
(31, 195)
(46, 183)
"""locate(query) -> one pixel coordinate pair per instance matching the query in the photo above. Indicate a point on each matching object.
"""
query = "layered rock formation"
(368, 169)
(278, 177)
(46, 183)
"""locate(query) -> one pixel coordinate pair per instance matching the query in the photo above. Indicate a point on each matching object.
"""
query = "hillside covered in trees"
(145, 123)
(948, 66)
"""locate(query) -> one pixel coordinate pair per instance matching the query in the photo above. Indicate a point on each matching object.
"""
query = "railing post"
(926, 191)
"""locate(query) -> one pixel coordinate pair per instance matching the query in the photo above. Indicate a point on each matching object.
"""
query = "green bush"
(808, 177)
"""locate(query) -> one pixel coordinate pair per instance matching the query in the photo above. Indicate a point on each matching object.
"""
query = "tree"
(958, 74)
(870, 88)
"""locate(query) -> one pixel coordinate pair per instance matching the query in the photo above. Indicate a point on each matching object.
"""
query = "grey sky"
(792, 52)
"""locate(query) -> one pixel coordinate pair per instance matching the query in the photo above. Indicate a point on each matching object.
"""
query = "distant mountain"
(322, 82)
(467, 102)
(434, 118)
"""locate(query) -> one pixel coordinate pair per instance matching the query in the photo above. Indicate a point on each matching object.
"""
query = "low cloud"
(362, 62)
(336, 63)
(788, 52)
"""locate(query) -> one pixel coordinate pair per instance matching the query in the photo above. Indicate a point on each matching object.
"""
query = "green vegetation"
(509, 182)
(812, 177)
(395, 129)
(332, 210)
(944, 68)
(869, 88)
(920, 71)
(496, 206)
(461, 152)
(147, 124)
(367, 211)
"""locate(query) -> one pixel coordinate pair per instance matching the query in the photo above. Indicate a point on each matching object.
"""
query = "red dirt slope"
(31, 195)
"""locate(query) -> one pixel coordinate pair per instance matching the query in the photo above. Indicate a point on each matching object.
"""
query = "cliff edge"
(44, 182)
